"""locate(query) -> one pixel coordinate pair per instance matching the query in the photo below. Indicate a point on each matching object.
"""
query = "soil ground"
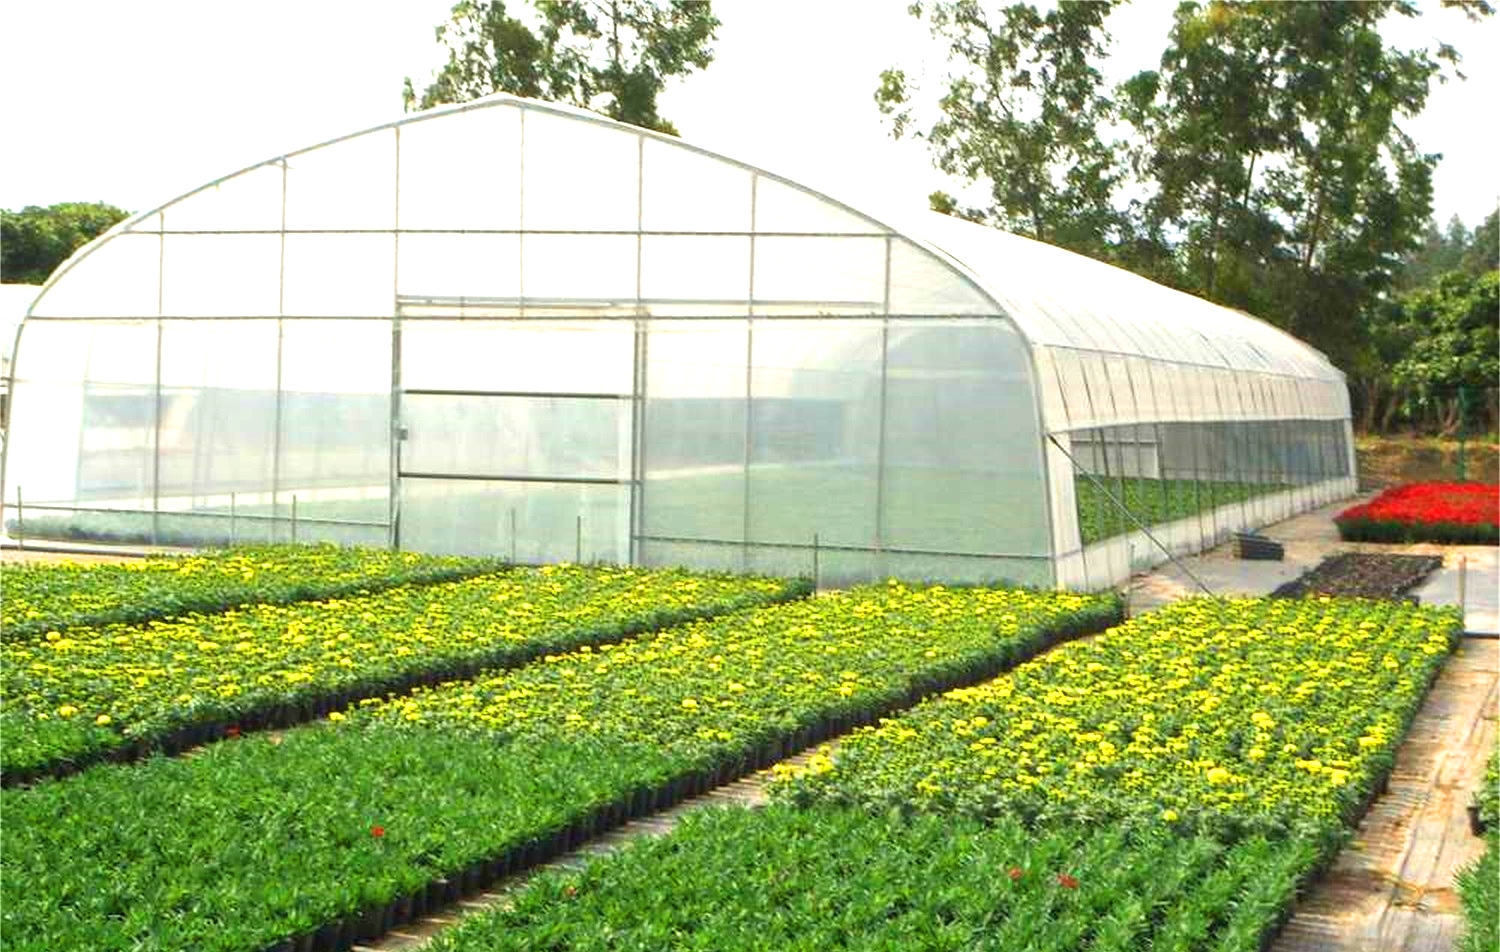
(1389, 461)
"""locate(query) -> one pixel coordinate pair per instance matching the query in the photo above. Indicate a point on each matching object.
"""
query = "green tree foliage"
(1272, 141)
(35, 240)
(1453, 344)
(1442, 250)
(611, 56)
(1263, 165)
(1022, 113)
(1415, 353)
(1483, 253)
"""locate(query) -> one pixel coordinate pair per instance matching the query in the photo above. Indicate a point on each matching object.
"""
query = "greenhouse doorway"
(514, 433)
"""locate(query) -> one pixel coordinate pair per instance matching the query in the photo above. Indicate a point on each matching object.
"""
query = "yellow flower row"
(739, 679)
(1253, 712)
(49, 597)
(157, 677)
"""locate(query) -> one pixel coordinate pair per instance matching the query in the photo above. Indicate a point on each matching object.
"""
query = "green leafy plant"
(830, 878)
(272, 836)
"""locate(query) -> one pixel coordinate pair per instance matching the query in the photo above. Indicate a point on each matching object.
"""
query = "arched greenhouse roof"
(1057, 299)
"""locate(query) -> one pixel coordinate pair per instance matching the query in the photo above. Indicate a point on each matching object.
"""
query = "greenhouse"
(519, 329)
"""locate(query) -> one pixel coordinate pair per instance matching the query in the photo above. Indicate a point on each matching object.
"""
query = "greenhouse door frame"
(407, 472)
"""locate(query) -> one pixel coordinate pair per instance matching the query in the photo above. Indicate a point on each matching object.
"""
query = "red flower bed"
(1427, 512)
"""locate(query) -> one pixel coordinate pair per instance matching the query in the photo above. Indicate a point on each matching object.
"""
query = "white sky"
(135, 103)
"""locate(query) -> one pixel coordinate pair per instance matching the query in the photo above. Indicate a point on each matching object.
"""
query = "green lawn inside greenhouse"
(1171, 783)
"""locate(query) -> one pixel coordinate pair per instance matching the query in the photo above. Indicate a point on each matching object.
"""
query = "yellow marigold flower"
(1218, 775)
(67, 710)
(335, 716)
(1169, 815)
(102, 720)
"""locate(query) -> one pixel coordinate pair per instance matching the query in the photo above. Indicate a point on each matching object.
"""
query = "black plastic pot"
(1477, 825)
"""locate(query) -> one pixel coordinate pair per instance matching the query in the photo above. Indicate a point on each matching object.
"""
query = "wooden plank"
(1392, 887)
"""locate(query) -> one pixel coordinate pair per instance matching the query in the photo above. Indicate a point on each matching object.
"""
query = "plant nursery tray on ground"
(1363, 575)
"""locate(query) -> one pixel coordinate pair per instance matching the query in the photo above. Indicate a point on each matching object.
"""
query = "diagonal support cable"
(1120, 505)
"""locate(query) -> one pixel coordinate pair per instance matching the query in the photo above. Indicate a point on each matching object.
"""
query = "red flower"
(1015, 874)
(232, 731)
(1066, 881)
(377, 831)
(1476, 504)
(570, 891)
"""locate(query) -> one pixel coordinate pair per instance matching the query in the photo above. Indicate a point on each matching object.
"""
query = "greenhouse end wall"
(612, 347)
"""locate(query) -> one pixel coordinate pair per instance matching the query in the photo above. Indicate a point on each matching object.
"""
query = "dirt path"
(1392, 888)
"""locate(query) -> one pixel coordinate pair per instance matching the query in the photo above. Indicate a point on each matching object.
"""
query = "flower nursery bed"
(1450, 513)
(822, 878)
(1090, 799)
(1363, 575)
(336, 831)
(1239, 717)
(41, 598)
(85, 693)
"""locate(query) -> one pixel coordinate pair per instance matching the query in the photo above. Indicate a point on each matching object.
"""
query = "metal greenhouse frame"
(521, 329)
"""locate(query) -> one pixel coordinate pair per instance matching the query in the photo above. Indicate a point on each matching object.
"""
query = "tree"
(1440, 251)
(35, 240)
(1454, 343)
(1275, 148)
(1483, 253)
(611, 56)
(1022, 114)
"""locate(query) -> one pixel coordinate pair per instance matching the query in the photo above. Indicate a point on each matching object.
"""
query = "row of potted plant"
(120, 690)
(836, 878)
(1451, 513)
(1168, 785)
(1257, 715)
(327, 833)
(42, 597)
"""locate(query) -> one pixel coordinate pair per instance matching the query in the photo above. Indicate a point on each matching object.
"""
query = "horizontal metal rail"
(535, 394)
(834, 547)
(475, 477)
(199, 513)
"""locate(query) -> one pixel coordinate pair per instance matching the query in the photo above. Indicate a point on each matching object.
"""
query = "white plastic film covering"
(221, 275)
(686, 191)
(348, 185)
(785, 208)
(218, 412)
(447, 265)
(518, 356)
(248, 201)
(579, 267)
(516, 437)
(339, 275)
(115, 278)
(812, 269)
(682, 267)
(579, 176)
(462, 171)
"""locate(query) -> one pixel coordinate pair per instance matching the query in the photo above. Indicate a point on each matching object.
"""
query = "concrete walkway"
(1312, 537)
